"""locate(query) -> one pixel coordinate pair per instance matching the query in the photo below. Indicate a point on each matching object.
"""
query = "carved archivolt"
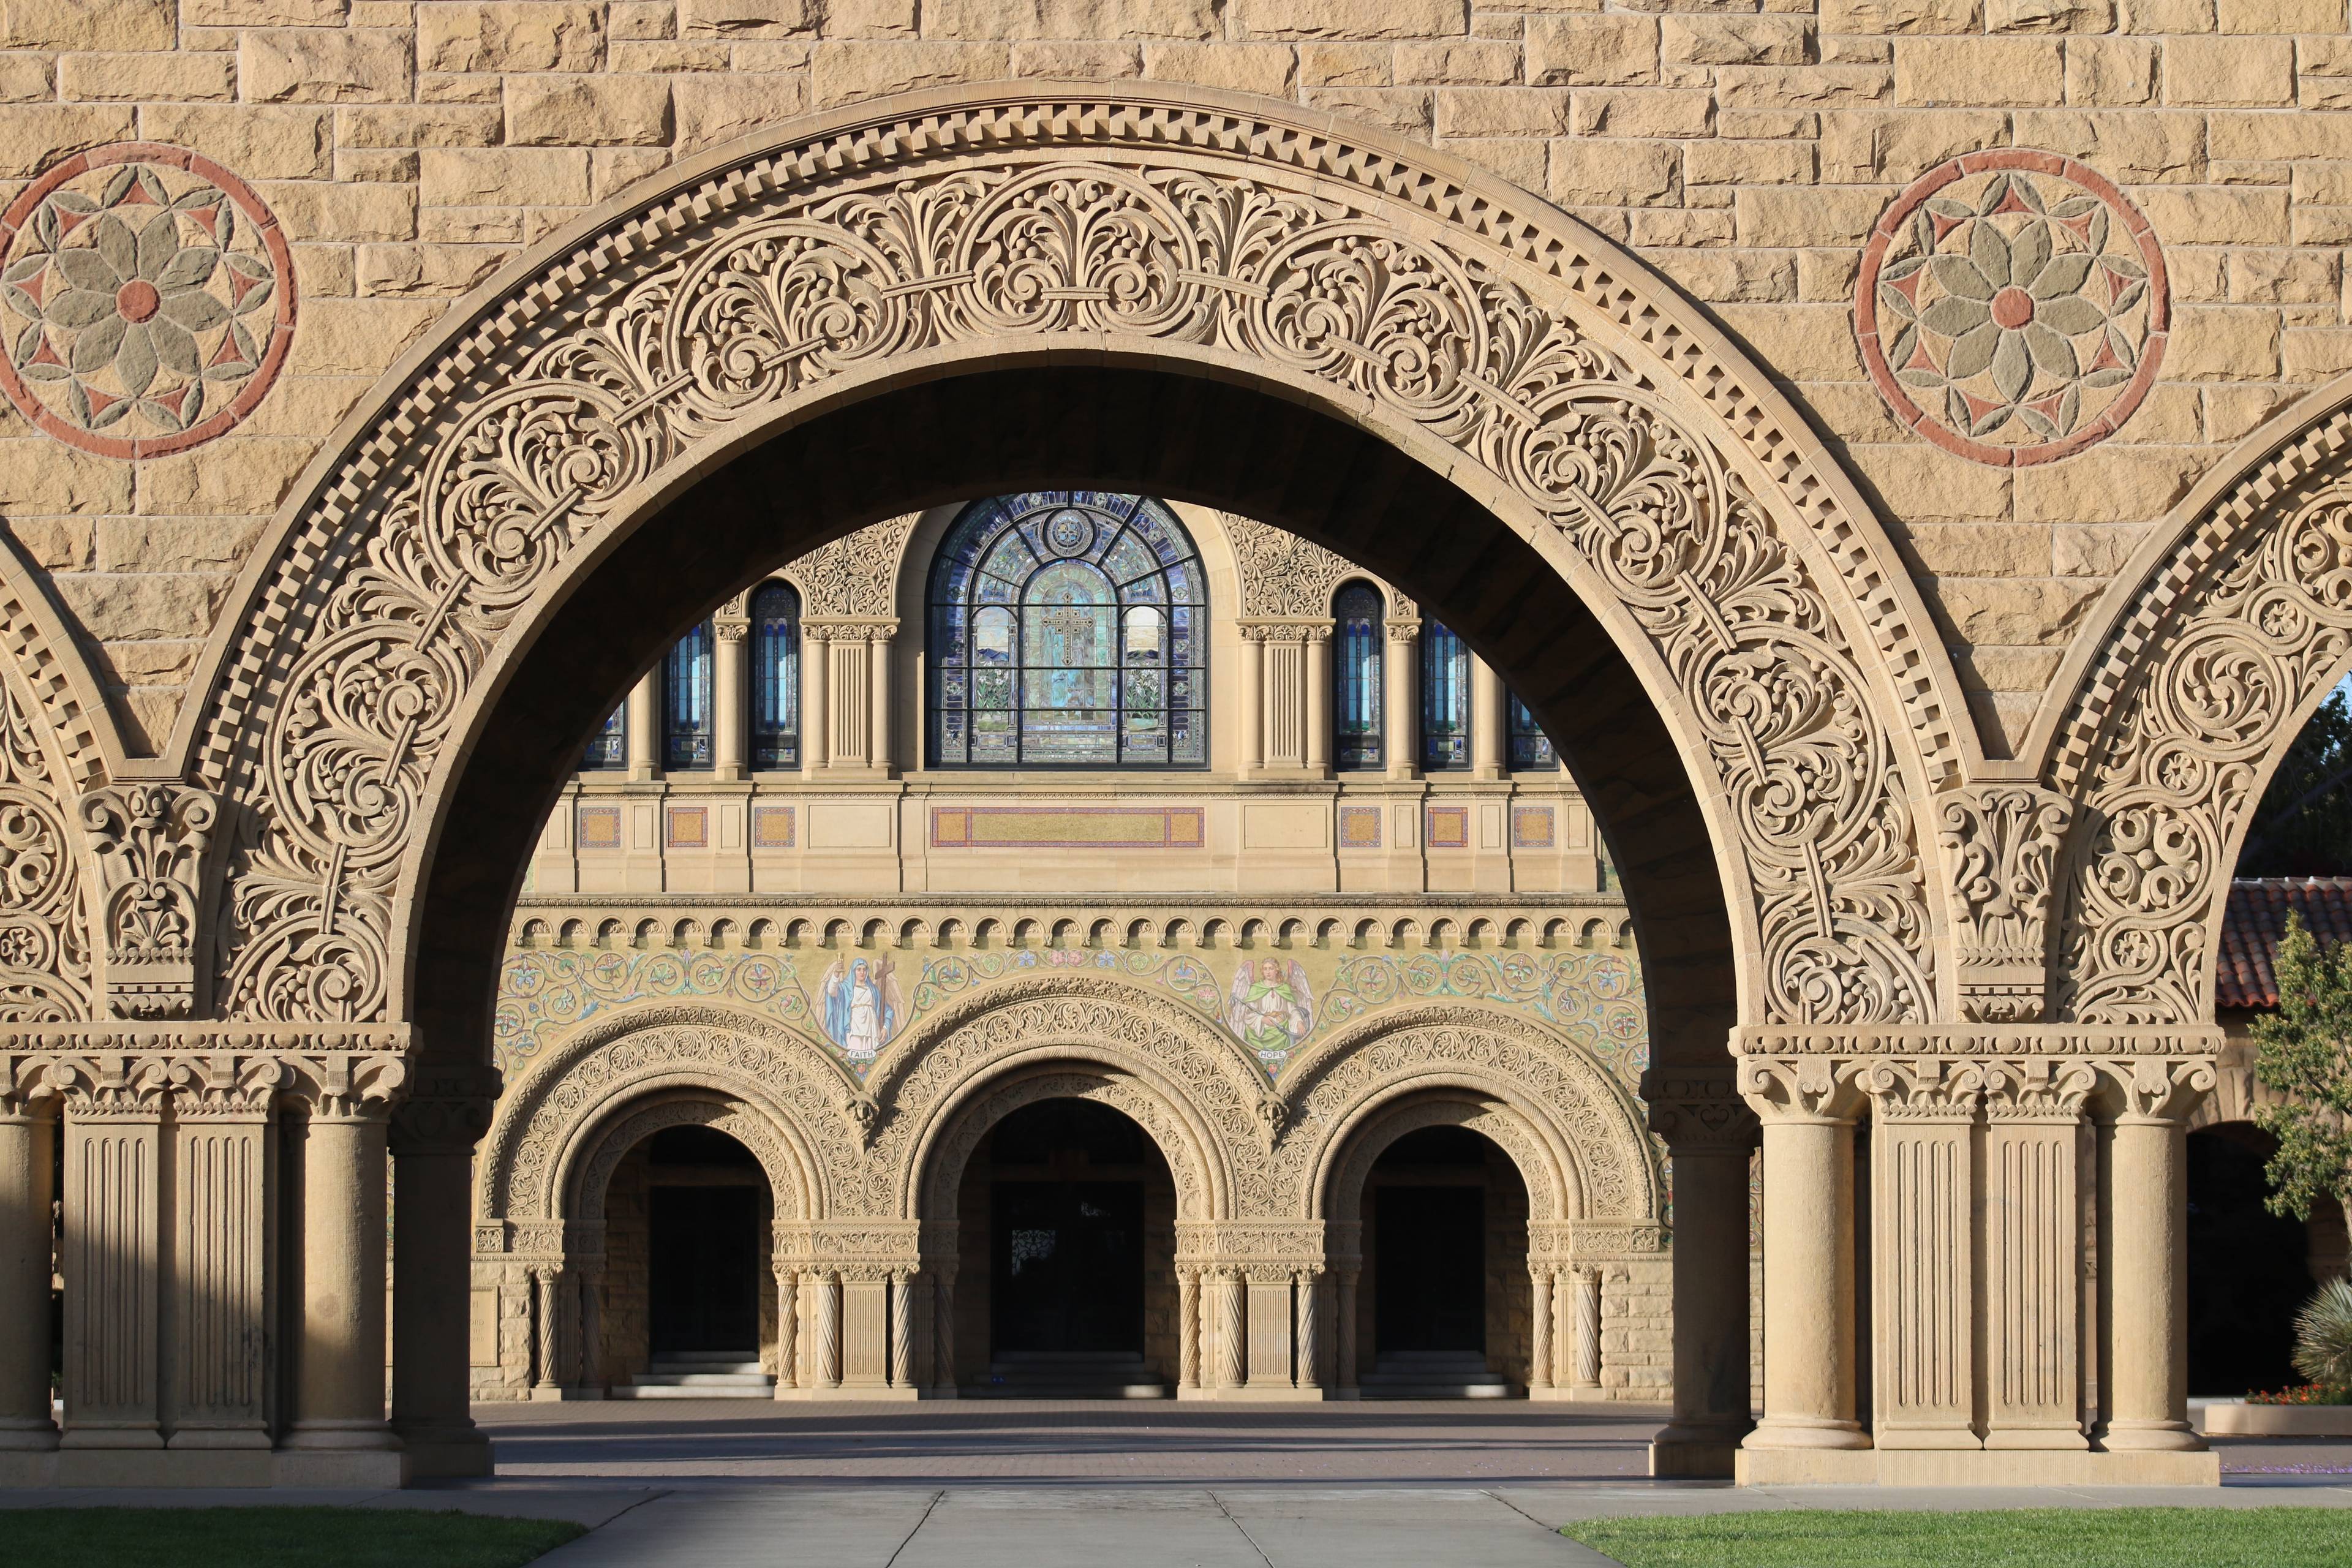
(631, 1124)
(943, 1161)
(545, 1123)
(2223, 651)
(1548, 1182)
(1699, 518)
(1203, 1092)
(44, 947)
(1590, 1129)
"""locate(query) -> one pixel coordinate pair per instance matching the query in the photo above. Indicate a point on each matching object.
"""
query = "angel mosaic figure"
(862, 1006)
(1270, 1009)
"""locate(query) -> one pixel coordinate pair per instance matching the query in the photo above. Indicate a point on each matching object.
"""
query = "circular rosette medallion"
(2013, 307)
(147, 298)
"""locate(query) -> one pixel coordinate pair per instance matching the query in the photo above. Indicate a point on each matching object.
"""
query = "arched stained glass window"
(609, 746)
(1068, 628)
(1444, 699)
(685, 702)
(776, 676)
(1532, 749)
(1358, 693)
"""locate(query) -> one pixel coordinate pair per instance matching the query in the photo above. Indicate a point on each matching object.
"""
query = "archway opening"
(1447, 1314)
(2250, 1270)
(1068, 1212)
(688, 1292)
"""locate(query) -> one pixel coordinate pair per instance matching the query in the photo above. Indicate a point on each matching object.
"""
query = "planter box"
(2277, 1421)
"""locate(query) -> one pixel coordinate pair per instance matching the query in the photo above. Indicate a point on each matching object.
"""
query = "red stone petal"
(226, 353)
(98, 401)
(239, 285)
(46, 353)
(1978, 407)
(36, 285)
(173, 400)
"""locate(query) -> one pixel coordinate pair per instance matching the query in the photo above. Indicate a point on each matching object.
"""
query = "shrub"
(2323, 1334)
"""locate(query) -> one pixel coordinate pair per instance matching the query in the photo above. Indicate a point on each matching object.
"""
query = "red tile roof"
(2257, 914)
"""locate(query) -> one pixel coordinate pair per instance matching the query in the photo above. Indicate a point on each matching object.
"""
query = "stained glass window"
(776, 676)
(1357, 696)
(686, 702)
(1444, 699)
(1068, 628)
(1530, 747)
(609, 746)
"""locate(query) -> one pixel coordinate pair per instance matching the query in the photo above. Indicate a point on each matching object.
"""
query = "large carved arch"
(555, 1118)
(1590, 1132)
(1190, 1085)
(1552, 379)
(587, 1170)
(1339, 1194)
(46, 960)
(2233, 626)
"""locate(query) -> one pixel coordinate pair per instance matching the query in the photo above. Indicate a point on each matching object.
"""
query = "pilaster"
(28, 1130)
(1922, 1250)
(1711, 1137)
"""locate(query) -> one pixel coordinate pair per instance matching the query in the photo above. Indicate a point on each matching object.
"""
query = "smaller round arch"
(606, 1141)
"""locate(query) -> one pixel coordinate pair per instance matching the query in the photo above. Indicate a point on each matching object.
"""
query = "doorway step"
(1069, 1374)
(1434, 1374)
(701, 1375)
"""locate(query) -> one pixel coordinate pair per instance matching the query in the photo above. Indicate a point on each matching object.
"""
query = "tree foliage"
(2303, 826)
(2305, 1055)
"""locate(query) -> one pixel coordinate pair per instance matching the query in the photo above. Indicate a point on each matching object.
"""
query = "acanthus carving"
(2001, 845)
(207, 1070)
(1281, 574)
(44, 958)
(856, 575)
(1699, 1111)
(2224, 647)
(2158, 1089)
(763, 292)
(1801, 1089)
(1927, 1089)
(149, 847)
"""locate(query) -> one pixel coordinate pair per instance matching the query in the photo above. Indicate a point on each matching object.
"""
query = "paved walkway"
(1007, 1484)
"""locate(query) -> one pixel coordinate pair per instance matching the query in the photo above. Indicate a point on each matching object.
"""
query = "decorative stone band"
(1964, 1088)
(207, 1070)
(1276, 1244)
(1979, 1040)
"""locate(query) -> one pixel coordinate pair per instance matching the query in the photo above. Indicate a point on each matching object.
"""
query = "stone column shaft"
(224, 1193)
(1310, 1329)
(1587, 1372)
(943, 1356)
(902, 1330)
(432, 1313)
(1401, 700)
(1252, 726)
(1233, 1365)
(1485, 720)
(731, 714)
(113, 1213)
(644, 725)
(1188, 1329)
(27, 1187)
(2148, 1360)
(816, 687)
(1923, 1261)
(877, 665)
(1808, 1285)
(1345, 1347)
(828, 1332)
(338, 1365)
(1539, 1350)
(1710, 1261)
(1318, 700)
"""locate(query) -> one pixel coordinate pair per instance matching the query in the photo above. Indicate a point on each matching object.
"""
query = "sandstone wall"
(1746, 150)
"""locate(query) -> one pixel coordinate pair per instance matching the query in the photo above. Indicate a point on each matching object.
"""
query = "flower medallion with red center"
(2013, 307)
(146, 300)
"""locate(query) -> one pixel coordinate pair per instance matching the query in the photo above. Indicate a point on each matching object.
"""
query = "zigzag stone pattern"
(1015, 225)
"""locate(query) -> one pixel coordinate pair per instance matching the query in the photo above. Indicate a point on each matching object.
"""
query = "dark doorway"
(1065, 1244)
(2249, 1269)
(703, 1247)
(1432, 1282)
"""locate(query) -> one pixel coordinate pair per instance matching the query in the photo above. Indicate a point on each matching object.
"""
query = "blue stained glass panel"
(776, 676)
(1444, 699)
(1358, 699)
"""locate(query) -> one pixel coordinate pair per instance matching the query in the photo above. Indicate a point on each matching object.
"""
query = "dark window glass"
(1357, 697)
(1067, 630)
(686, 702)
(776, 676)
(1530, 747)
(1444, 699)
(609, 746)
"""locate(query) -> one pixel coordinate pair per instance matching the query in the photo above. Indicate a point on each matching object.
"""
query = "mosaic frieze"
(1274, 1002)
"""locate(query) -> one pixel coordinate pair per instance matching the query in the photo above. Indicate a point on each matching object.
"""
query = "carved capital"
(1799, 1089)
(1403, 630)
(2158, 1089)
(1922, 1090)
(2038, 1088)
(149, 847)
(1698, 1113)
(348, 1085)
(2000, 848)
(729, 631)
(108, 1087)
(227, 1086)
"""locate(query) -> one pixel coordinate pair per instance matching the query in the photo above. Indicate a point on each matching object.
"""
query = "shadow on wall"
(2250, 1271)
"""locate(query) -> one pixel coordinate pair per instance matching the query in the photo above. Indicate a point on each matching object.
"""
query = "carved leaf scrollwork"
(45, 948)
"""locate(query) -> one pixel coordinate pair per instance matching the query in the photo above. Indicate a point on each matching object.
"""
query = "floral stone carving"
(2013, 307)
(149, 301)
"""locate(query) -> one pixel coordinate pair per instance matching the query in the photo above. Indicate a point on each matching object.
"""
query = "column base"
(846, 1394)
(329, 1436)
(1698, 1450)
(1792, 1432)
(1983, 1468)
(30, 1435)
(446, 1450)
(340, 1468)
(2150, 1437)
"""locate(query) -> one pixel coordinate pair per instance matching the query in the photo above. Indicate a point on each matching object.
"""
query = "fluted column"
(1807, 1111)
(28, 1130)
(2033, 1245)
(1401, 699)
(1711, 1135)
(223, 1184)
(339, 1362)
(113, 1135)
(432, 1139)
(645, 725)
(1318, 700)
(730, 679)
(1539, 1348)
(2148, 1366)
(1485, 720)
(1924, 1291)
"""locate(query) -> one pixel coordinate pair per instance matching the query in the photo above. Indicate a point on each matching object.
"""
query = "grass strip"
(272, 1538)
(2021, 1538)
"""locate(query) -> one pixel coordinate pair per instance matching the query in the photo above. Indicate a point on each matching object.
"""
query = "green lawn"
(270, 1538)
(2027, 1538)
